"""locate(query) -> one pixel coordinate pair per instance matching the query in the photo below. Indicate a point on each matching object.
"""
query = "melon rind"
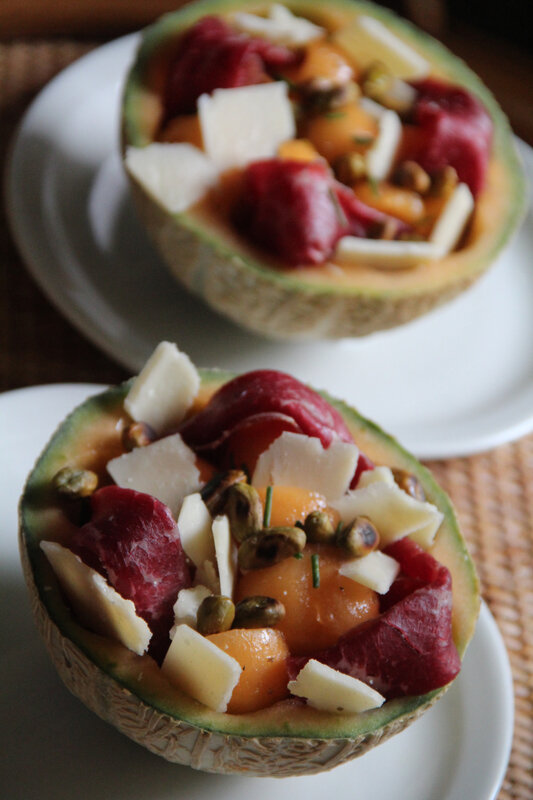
(131, 693)
(259, 294)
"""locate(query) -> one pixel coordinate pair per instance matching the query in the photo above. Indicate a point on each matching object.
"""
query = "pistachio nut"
(270, 546)
(319, 527)
(350, 168)
(215, 614)
(359, 538)
(444, 181)
(258, 611)
(411, 175)
(409, 483)
(242, 505)
(138, 434)
(321, 95)
(214, 492)
(73, 482)
(377, 81)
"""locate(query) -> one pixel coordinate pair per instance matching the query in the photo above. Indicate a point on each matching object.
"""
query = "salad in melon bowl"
(241, 573)
(315, 170)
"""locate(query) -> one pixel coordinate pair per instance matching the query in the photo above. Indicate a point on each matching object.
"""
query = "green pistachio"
(242, 505)
(138, 434)
(72, 482)
(359, 538)
(258, 612)
(409, 483)
(270, 546)
(318, 527)
(215, 614)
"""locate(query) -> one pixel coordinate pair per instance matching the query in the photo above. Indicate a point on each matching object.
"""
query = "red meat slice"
(454, 129)
(243, 445)
(250, 411)
(133, 540)
(409, 648)
(290, 210)
(213, 56)
(297, 210)
(264, 391)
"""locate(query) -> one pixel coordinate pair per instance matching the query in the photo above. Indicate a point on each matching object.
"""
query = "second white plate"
(457, 381)
(50, 742)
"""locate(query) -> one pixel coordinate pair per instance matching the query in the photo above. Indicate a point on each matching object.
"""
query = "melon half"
(131, 692)
(330, 300)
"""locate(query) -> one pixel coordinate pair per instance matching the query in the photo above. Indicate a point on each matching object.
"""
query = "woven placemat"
(37, 344)
(493, 497)
(493, 493)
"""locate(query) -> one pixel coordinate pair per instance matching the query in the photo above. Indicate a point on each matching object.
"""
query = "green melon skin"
(130, 692)
(258, 292)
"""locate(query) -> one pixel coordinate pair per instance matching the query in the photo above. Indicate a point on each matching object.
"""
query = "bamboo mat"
(493, 493)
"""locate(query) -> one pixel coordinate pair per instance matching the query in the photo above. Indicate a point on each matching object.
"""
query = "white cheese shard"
(380, 155)
(165, 469)
(384, 253)
(375, 570)
(175, 174)
(296, 460)
(194, 524)
(201, 669)
(453, 218)
(95, 603)
(328, 689)
(226, 555)
(376, 475)
(187, 605)
(368, 40)
(245, 124)
(281, 26)
(164, 390)
(394, 513)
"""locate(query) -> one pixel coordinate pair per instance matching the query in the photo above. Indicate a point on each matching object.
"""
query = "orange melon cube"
(184, 128)
(335, 134)
(315, 617)
(262, 654)
(291, 503)
(298, 150)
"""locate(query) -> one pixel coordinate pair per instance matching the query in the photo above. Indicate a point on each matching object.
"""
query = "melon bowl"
(130, 691)
(328, 300)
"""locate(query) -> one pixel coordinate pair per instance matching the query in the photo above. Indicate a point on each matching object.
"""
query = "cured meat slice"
(291, 210)
(246, 414)
(213, 56)
(132, 539)
(409, 648)
(297, 210)
(263, 392)
(454, 129)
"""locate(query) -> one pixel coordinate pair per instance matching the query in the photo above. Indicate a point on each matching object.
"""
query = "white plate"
(51, 746)
(457, 381)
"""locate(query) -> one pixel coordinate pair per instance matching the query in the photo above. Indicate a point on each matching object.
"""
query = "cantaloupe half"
(327, 301)
(130, 692)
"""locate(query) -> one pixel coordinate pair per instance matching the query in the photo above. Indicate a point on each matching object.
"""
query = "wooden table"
(493, 492)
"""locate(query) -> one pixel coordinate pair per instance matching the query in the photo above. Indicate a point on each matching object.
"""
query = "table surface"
(492, 492)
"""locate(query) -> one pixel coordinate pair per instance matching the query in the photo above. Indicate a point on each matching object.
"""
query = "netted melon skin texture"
(185, 744)
(258, 302)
